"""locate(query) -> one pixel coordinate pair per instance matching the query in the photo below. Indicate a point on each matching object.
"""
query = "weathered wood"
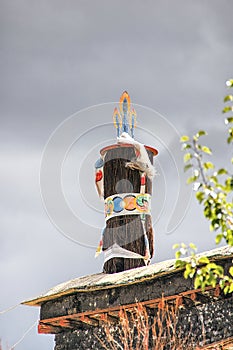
(113, 313)
(225, 344)
(126, 231)
(88, 320)
(44, 328)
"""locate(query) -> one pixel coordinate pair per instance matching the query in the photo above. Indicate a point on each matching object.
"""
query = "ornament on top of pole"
(124, 119)
(117, 121)
(132, 121)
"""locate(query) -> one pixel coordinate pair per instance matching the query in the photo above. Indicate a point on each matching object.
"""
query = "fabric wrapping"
(142, 161)
(115, 251)
(127, 204)
(99, 177)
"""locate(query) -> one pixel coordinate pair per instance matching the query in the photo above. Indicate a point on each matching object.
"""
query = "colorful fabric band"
(127, 204)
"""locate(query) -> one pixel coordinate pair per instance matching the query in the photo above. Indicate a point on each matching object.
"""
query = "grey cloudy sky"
(59, 57)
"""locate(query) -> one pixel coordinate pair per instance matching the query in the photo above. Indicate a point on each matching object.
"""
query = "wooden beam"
(74, 322)
(225, 342)
(111, 318)
(217, 291)
(98, 317)
(65, 323)
(112, 314)
(44, 328)
(179, 301)
(193, 296)
(188, 302)
(152, 305)
(86, 319)
(203, 298)
(104, 317)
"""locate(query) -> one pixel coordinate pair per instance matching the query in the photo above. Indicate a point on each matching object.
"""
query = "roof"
(102, 281)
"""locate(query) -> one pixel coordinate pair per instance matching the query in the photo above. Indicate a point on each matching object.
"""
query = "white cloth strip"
(143, 162)
(115, 251)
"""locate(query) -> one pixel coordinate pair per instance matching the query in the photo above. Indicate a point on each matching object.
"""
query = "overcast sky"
(60, 57)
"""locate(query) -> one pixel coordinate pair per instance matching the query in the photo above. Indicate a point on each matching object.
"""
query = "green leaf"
(200, 196)
(197, 282)
(192, 273)
(178, 254)
(212, 281)
(228, 98)
(213, 266)
(206, 149)
(203, 285)
(231, 270)
(186, 274)
(186, 146)
(208, 165)
(176, 246)
(222, 171)
(227, 109)
(191, 180)
(220, 270)
(213, 178)
(229, 83)
(222, 283)
(229, 120)
(193, 246)
(187, 157)
(201, 133)
(218, 238)
(229, 184)
(189, 271)
(184, 138)
(187, 167)
(229, 139)
(180, 263)
(231, 288)
(204, 260)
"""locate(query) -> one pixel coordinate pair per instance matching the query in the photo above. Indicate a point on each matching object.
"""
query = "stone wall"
(210, 321)
(199, 318)
(85, 337)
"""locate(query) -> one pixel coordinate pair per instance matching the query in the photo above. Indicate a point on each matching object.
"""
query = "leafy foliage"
(214, 191)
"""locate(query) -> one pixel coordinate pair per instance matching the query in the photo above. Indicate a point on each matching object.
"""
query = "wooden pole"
(125, 230)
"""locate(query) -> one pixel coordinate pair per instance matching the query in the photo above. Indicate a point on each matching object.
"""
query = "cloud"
(58, 57)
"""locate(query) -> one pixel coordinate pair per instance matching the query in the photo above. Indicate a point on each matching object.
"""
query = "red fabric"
(98, 175)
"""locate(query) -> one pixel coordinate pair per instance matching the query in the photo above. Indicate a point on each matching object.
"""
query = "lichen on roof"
(101, 281)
